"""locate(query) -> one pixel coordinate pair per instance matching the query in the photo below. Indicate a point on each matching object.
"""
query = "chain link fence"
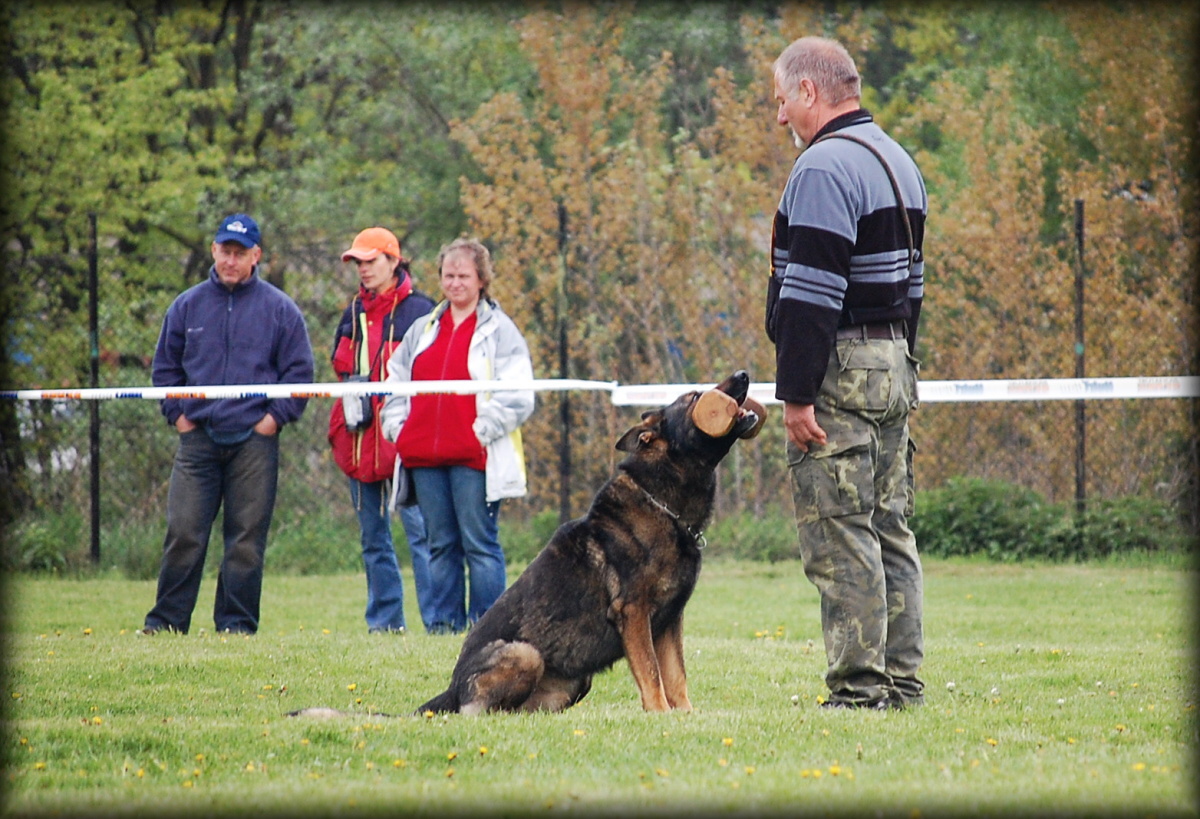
(1144, 448)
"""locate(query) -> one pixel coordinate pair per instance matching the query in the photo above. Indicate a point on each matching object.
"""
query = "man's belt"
(891, 330)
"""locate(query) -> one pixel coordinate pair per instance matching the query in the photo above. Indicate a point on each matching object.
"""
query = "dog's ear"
(629, 441)
(640, 435)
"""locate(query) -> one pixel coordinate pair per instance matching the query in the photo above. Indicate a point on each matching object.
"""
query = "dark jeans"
(204, 474)
(461, 530)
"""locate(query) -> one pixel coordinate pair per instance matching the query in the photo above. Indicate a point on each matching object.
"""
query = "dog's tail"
(444, 702)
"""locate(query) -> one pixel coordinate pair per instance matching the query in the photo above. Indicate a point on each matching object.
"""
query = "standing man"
(234, 328)
(842, 310)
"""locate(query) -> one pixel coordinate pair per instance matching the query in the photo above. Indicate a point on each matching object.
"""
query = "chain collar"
(696, 535)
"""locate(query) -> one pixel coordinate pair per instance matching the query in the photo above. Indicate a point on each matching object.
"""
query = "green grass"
(1051, 689)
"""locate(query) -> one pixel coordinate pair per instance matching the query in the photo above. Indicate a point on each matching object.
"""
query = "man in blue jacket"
(234, 328)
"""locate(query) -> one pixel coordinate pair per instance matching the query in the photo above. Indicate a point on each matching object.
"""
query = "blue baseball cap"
(239, 228)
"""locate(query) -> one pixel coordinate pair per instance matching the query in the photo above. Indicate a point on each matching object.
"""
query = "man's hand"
(800, 421)
(182, 424)
(267, 426)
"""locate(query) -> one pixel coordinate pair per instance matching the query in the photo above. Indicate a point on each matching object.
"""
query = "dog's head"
(701, 425)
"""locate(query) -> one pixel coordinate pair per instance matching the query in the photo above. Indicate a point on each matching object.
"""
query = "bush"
(970, 516)
(770, 537)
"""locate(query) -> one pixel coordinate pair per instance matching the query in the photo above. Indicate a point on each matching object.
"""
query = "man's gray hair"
(826, 62)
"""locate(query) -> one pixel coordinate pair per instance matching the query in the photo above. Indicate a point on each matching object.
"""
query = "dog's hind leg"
(668, 647)
(504, 677)
(556, 693)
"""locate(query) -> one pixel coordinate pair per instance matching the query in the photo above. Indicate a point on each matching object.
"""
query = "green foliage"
(522, 540)
(769, 537)
(48, 544)
(1007, 523)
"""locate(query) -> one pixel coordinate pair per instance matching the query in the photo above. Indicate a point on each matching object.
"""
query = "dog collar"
(696, 536)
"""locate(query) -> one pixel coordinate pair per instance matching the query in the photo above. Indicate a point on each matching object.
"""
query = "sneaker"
(385, 630)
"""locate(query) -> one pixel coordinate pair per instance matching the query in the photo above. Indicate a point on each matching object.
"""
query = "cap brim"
(360, 255)
(222, 238)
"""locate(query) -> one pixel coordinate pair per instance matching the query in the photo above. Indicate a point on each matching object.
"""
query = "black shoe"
(151, 630)
(883, 704)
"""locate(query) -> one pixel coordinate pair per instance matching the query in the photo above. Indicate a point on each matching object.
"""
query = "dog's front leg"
(634, 624)
(669, 650)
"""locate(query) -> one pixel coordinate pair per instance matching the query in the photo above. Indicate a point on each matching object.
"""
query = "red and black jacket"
(370, 330)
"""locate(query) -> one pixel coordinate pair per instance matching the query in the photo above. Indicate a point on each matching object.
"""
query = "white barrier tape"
(1044, 389)
(335, 389)
(1040, 389)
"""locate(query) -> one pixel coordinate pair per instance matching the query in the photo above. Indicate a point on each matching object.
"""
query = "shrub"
(769, 537)
(971, 516)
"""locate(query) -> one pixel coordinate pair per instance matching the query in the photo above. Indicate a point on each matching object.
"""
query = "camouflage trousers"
(852, 498)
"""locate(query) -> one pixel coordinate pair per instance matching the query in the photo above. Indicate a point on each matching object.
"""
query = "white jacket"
(498, 352)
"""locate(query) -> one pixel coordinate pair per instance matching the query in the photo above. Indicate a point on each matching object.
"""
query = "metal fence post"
(564, 402)
(1080, 419)
(94, 343)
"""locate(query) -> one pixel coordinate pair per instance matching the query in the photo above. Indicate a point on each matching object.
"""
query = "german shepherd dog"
(613, 583)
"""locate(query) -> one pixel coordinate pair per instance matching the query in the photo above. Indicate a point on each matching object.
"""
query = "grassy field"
(1051, 690)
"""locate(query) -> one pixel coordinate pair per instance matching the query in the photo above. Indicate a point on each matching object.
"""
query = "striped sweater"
(839, 248)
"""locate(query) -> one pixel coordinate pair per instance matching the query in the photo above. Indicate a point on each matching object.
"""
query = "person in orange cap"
(371, 328)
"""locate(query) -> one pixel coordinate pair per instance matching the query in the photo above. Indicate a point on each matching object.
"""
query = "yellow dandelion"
(199, 757)
(370, 766)
(187, 783)
(1139, 766)
(735, 784)
(824, 732)
(579, 732)
(141, 772)
(449, 772)
(723, 762)
(16, 695)
(97, 721)
(662, 772)
(992, 742)
(727, 741)
(399, 763)
(362, 743)
(196, 772)
(87, 632)
(249, 767)
(304, 741)
(816, 773)
(749, 770)
(352, 687)
(267, 687)
(326, 631)
(428, 715)
(483, 750)
(39, 766)
(805, 773)
(1120, 728)
(835, 770)
(1071, 740)
(450, 757)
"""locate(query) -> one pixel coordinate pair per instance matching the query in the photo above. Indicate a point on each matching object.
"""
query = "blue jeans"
(385, 592)
(460, 527)
(244, 476)
(418, 548)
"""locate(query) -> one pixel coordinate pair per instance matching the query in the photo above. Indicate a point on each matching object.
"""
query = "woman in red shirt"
(464, 451)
